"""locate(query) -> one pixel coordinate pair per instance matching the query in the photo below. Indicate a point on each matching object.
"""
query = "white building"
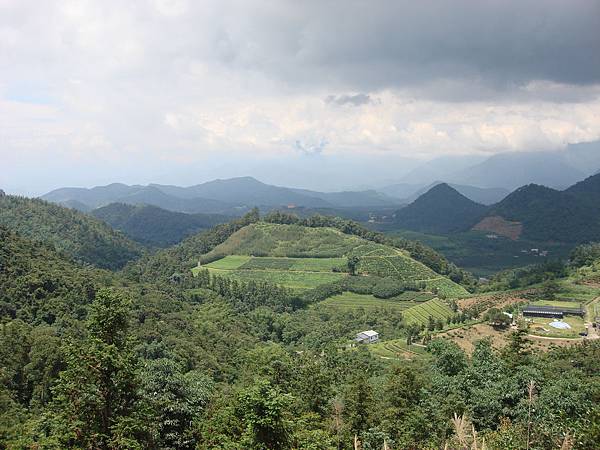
(367, 337)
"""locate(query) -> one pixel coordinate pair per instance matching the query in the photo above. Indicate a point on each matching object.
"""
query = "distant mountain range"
(532, 212)
(233, 196)
(508, 171)
(512, 170)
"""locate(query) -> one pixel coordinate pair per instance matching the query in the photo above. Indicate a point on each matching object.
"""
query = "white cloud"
(121, 82)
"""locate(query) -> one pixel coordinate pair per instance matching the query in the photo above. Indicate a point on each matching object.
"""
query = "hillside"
(303, 257)
(151, 225)
(38, 284)
(545, 214)
(83, 238)
(587, 191)
(441, 210)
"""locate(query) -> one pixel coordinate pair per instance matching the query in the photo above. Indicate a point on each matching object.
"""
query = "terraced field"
(446, 287)
(420, 313)
(303, 258)
(294, 273)
(350, 300)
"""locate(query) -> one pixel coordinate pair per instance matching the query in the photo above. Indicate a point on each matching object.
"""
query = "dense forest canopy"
(81, 237)
(153, 357)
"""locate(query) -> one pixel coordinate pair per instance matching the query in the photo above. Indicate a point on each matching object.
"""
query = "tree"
(549, 289)
(96, 399)
(497, 318)
(263, 412)
(450, 359)
(176, 399)
(412, 331)
(517, 351)
(353, 264)
(358, 404)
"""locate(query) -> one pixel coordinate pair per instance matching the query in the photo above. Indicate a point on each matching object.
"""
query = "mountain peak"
(440, 210)
(444, 192)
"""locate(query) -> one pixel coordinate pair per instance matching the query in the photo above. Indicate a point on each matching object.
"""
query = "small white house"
(367, 337)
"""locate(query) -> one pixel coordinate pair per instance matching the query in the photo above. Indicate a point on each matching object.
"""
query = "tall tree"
(263, 411)
(96, 398)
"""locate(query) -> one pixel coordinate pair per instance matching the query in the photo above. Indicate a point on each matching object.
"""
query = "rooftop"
(369, 333)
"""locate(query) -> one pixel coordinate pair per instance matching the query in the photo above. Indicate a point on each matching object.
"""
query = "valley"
(277, 296)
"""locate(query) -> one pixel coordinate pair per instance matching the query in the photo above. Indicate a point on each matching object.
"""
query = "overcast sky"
(178, 91)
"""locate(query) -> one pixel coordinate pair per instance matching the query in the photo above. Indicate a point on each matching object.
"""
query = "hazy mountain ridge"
(508, 170)
(485, 196)
(234, 195)
(151, 225)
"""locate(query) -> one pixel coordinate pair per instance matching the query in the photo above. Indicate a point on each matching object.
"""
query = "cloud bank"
(141, 89)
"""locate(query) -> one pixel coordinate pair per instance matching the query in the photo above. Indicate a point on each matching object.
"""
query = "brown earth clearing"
(500, 226)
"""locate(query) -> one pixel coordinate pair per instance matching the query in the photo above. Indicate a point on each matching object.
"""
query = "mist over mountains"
(233, 196)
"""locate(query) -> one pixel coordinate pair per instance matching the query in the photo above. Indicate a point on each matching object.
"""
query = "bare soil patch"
(493, 300)
(467, 337)
(500, 226)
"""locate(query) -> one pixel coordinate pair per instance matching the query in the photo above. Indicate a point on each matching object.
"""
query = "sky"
(317, 92)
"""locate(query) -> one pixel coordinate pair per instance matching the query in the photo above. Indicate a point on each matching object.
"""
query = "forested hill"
(546, 214)
(533, 212)
(81, 237)
(440, 210)
(38, 285)
(151, 225)
(181, 258)
(90, 359)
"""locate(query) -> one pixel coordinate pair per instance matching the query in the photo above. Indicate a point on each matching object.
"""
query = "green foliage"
(496, 318)
(527, 276)
(96, 403)
(163, 361)
(264, 415)
(585, 255)
(182, 257)
(177, 399)
(37, 285)
(73, 233)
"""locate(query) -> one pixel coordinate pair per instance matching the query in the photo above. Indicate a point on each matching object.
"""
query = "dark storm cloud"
(369, 45)
(353, 100)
